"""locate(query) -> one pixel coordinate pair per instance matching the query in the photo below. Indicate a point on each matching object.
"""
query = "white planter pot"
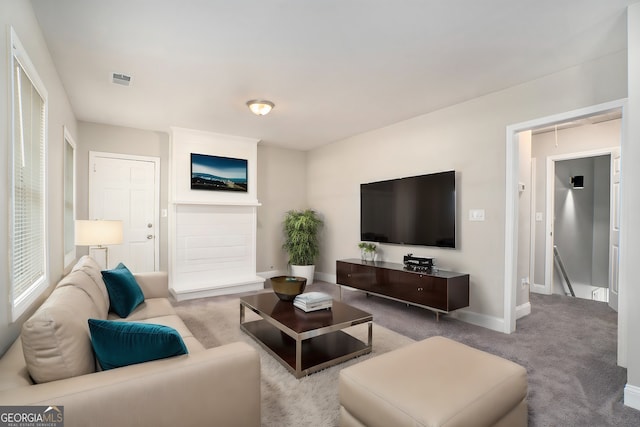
(305, 271)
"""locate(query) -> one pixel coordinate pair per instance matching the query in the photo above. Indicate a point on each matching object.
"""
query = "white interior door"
(614, 232)
(126, 188)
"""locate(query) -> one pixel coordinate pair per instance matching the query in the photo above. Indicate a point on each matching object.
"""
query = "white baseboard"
(523, 310)
(539, 289)
(632, 396)
(489, 322)
(324, 277)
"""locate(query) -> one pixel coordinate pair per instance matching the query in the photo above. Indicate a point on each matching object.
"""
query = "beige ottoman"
(435, 382)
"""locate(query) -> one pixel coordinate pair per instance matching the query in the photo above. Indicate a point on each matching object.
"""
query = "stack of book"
(312, 301)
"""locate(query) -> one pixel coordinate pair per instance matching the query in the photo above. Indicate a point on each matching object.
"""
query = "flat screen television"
(218, 173)
(418, 210)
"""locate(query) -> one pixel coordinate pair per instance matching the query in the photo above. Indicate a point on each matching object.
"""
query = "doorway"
(580, 241)
(511, 211)
(127, 188)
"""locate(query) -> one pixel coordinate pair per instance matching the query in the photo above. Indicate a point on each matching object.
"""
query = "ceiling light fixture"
(260, 107)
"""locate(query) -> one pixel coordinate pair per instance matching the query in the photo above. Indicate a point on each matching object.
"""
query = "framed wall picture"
(216, 173)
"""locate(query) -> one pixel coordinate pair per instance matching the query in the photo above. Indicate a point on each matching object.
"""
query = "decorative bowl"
(288, 287)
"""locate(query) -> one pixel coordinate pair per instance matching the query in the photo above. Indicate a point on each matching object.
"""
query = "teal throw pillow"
(117, 343)
(124, 292)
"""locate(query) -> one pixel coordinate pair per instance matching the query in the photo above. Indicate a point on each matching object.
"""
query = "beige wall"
(572, 140)
(19, 14)
(281, 187)
(281, 184)
(122, 140)
(468, 137)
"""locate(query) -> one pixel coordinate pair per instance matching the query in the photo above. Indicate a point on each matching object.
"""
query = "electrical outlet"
(524, 282)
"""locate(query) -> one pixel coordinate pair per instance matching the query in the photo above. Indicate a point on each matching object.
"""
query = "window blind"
(28, 216)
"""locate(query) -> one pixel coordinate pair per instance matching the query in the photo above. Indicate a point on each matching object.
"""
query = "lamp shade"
(98, 232)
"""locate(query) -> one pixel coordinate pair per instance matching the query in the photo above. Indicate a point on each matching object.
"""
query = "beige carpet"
(286, 401)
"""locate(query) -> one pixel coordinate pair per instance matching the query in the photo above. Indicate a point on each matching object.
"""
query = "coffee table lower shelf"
(316, 353)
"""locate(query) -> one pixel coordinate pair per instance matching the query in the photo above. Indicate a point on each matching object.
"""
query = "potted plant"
(301, 241)
(367, 251)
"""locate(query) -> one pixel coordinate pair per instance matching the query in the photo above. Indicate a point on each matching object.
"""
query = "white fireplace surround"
(212, 234)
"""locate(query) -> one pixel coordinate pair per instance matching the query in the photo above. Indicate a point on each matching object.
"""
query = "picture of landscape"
(218, 173)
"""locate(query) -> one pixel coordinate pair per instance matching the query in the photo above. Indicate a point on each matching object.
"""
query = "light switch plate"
(476, 215)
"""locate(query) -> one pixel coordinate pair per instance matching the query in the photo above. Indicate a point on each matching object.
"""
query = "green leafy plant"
(367, 251)
(301, 236)
(367, 247)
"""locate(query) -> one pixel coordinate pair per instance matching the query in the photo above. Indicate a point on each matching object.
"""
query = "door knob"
(149, 225)
(149, 236)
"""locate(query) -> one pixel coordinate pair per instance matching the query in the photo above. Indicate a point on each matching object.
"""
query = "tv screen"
(218, 173)
(418, 210)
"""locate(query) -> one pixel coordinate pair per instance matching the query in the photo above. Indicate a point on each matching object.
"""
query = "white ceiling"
(334, 68)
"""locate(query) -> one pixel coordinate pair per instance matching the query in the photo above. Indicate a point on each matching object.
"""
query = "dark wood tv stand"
(439, 291)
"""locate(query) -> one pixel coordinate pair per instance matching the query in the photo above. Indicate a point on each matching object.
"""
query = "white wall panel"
(212, 233)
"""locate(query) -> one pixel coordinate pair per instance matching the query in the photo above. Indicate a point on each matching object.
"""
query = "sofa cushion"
(124, 292)
(91, 268)
(55, 339)
(119, 343)
(153, 307)
(81, 280)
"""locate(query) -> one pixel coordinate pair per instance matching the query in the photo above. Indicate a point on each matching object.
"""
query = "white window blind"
(28, 201)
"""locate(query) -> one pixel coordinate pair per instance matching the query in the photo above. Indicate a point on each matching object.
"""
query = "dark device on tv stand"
(414, 263)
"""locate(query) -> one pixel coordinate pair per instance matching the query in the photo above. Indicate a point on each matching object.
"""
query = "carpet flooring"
(567, 345)
(286, 401)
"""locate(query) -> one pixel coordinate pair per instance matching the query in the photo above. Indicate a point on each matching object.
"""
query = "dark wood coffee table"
(304, 342)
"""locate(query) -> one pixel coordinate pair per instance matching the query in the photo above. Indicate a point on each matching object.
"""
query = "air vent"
(121, 79)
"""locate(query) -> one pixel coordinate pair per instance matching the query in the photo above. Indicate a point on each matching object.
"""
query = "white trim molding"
(632, 396)
(511, 209)
(490, 322)
(523, 310)
(325, 277)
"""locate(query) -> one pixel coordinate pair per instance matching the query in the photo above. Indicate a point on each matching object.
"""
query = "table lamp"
(99, 233)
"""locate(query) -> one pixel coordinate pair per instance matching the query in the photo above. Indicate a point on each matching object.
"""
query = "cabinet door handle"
(420, 289)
